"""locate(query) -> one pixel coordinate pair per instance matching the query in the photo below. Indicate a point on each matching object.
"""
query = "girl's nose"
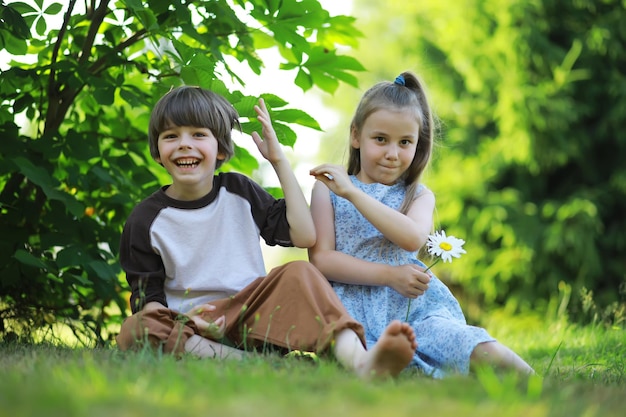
(392, 152)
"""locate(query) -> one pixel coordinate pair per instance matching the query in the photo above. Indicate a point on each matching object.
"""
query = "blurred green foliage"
(75, 100)
(528, 169)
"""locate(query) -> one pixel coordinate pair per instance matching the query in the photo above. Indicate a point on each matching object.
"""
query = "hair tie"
(399, 80)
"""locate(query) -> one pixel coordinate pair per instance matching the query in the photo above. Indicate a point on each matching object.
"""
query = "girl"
(372, 220)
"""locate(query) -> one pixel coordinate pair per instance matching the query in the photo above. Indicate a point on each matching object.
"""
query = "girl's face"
(387, 144)
(189, 154)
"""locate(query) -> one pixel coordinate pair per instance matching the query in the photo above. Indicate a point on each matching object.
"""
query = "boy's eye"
(379, 139)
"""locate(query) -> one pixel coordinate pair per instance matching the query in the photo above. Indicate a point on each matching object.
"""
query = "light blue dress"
(445, 340)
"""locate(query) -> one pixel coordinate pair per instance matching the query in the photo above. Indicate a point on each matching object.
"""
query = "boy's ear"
(158, 160)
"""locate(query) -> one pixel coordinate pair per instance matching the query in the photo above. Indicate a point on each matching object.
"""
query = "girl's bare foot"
(391, 354)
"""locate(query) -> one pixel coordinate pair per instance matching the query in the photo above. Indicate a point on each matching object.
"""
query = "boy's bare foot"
(391, 354)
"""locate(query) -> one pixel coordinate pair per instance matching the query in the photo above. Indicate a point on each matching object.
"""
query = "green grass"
(583, 373)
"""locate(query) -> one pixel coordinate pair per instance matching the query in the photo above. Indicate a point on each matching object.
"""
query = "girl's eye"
(379, 139)
(405, 142)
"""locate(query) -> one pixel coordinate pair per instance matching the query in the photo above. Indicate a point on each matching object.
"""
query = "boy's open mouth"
(187, 162)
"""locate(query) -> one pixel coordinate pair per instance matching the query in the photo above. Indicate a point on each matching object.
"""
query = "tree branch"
(53, 93)
(98, 18)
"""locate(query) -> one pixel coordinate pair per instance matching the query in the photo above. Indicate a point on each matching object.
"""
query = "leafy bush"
(529, 171)
(74, 108)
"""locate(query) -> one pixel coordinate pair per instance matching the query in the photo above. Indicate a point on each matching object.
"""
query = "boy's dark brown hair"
(197, 107)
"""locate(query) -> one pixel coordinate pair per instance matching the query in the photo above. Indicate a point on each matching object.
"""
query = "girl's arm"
(301, 227)
(408, 280)
(409, 231)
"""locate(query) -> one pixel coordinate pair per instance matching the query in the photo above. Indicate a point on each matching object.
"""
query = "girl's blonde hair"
(406, 92)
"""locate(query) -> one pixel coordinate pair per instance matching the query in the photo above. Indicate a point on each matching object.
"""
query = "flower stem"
(408, 308)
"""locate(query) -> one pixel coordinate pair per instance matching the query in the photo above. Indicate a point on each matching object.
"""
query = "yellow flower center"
(445, 246)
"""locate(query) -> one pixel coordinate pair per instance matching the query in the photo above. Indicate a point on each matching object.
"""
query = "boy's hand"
(213, 329)
(268, 145)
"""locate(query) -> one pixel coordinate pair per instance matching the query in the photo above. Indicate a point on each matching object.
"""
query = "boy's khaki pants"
(293, 307)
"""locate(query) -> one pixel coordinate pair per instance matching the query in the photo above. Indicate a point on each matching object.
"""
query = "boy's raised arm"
(301, 227)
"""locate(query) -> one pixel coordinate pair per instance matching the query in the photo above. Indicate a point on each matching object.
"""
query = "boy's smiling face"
(189, 154)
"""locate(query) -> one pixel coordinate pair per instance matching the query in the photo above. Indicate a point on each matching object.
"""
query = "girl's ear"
(354, 139)
(221, 156)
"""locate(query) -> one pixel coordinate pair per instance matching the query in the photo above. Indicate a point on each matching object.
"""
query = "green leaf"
(285, 134)
(13, 45)
(54, 8)
(22, 8)
(28, 259)
(103, 174)
(243, 161)
(102, 269)
(324, 81)
(41, 26)
(345, 62)
(81, 147)
(296, 116)
(304, 80)
(276, 192)
(293, 56)
(273, 101)
(15, 23)
(340, 30)
(70, 256)
(186, 52)
(36, 174)
(41, 177)
(104, 94)
(262, 40)
(245, 106)
(147, 18)
(134, 4)
(272, 5)
(79, 279)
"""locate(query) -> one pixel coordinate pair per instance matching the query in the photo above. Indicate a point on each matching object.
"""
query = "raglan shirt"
(185, 253)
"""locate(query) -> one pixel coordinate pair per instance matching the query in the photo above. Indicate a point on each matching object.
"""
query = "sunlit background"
(528, 163)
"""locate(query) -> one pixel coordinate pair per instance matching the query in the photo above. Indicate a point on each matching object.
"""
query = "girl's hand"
(268, 145)
(409, 280)
(335, 177)
(213, 329)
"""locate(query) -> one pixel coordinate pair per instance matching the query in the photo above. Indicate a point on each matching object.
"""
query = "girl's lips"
(388, 167)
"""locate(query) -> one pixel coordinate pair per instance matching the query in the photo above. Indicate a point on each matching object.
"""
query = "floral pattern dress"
(445, 340)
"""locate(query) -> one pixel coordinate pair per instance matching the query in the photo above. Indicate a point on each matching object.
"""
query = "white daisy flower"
(444, 246)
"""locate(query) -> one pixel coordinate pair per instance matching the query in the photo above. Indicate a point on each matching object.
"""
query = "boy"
(193, 261)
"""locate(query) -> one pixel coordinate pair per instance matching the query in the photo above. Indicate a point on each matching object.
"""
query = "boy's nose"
(185, 141)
